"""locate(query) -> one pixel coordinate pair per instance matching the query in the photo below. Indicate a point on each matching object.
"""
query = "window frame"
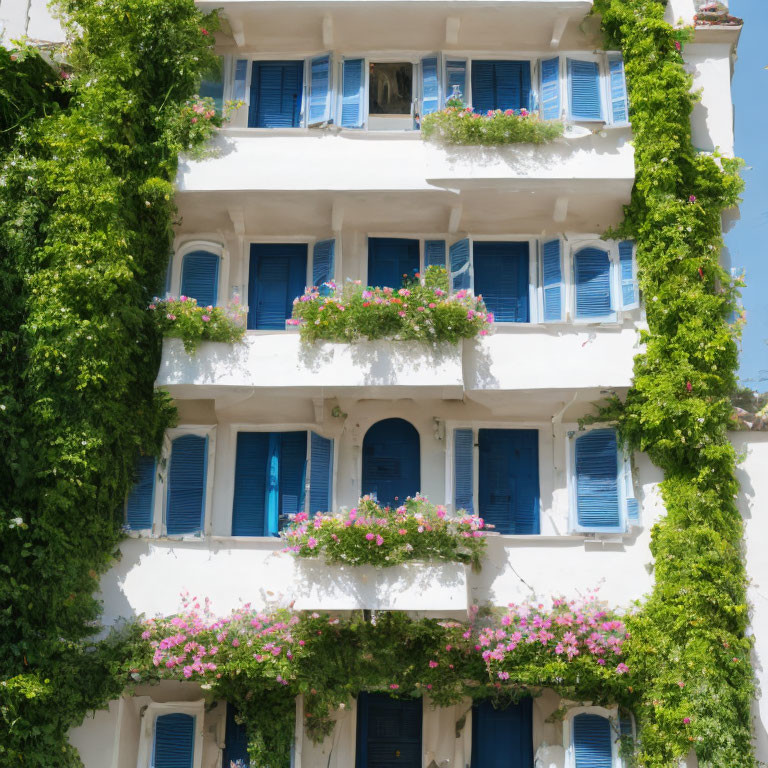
(182, 248)
(149, 717)
(573, 246)
(421, 239)
(611, 714)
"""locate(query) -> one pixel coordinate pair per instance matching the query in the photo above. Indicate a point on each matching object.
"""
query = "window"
(390, 259)
(391, 461)
(187, 475)
(200, 277)
(174, 736)
(277, 275)
(592, 284)
(502, 737)
(592, 737)
(502, 279)
(276, 93)
(212, 84)
(500, 85)
(139, 507)
(388, 731)
(390, 88)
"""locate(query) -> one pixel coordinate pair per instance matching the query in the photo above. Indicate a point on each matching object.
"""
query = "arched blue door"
(391, 461)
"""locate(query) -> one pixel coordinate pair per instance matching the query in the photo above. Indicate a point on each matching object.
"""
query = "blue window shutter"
(241, 74)
(321, 474)
(458, 257)
(200, 277)
(597, 482)
(186, 485)
(140, 504)
(483, 86)
(276, 91)
(625, 724)
(293, 474)
(619, 102)
(632, 506)
(552, 280)
(500, 85)
(502, 738)
(430, 85)
(352, 93)
(456, 75)
(391, 461)
(389, 258)
(630, 294)
(463, 471)
(174, 745)
(434, 253)
(277, 275)
(388, 731)
(249, 503)
(501, 278)
(235, 740)
(323, 255)
(592, 275)
(320, 90)
(584, 90)
(592, 741)
(550, 88)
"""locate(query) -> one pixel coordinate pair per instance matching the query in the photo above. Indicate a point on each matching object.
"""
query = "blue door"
(391, 461)
(276, 88)
(502, 738)
(388, 732)
(235, 740)
(278, 274)
(389, 258)
(501, 278)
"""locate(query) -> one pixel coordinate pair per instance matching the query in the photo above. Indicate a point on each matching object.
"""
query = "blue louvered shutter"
(625, 724)
(186, 485)
(483, 91)
(200, 277)
(434, 253)
(323, 256)
(619, 102)
(552, 280)
(597, 482)
(293, 474)
(389, 258)
(501, 278)
(241, 75)
(500, 85)
(212, 85)
(391, 461)
(584, 90)
(456, 75)
(502, 738)
(319, 89)
(235, 740)
(277, 275)
(139, 506)
(276, 90)
(592, 275)
(550, 88)
(352, 93)
(458, 257)
(592, 741)
(632, 507)
(630, 294)
(321, 474)
(463, 470)
(249, 502)
(430, 85)
(174, 745)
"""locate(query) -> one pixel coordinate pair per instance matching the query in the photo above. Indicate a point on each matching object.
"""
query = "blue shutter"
(249, 503)
(550, 88)
(500, 85)
(272, 496)
(174, 745)
(463, 471)
(630, 298)
(200, 277)
(235, 740)
(552, 280)
(276, 90)
(592, 742)
(241, 74)
(212, 85)
(186, 485)
(584, 90)
(592, 275)
(352, 93)
(631, 504)
(391, 461)
(597, 485)
(625, 724)
(293, 474)
(319, 90)
(323, 263)
(321, 474)
(502, 738)
(501, 278)
(456, 74)
(389, 258)
(434, 253)
(509, 480)
(388, 731)
(430, 85)
(619, 103)
(139, 507)
(277, 275)
(483, 90)
(458, 257)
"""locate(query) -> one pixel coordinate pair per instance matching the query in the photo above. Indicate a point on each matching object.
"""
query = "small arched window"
(391, 461)
(200, 277)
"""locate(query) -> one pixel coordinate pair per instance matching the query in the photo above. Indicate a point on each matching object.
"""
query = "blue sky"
(748, 238)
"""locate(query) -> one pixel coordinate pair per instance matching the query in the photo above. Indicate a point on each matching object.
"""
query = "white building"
(323, 173)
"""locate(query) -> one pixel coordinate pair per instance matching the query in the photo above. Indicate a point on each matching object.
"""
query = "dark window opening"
(390, 90)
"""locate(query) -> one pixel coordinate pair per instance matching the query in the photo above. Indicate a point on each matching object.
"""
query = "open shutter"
(597, 482)
(463, 470)
(592, 742)
(139, 507)
(186, 485)
(584, 90)
(200, 277)
(592, 275)
(323, 256)
(293, 469)
(456, 79)
(458, 254)
(552, 280)
(248, 506)
(174, 745)
(321, 474)
(319, 90)
(631, 506)
(235, 740)
(353, 93)
(430, 84)
(619, 102)
(434, 253)
(241, 74)
(550, 88)
(212, 85)
(630, 295)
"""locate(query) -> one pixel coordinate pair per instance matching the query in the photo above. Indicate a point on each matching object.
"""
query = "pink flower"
(379, 540)
(432, 305)
(182, 298)
(678, 47)
(402, 531)
(394, 686)
(205, 318)
(687, 720)
(369, 536)
(692, 199)
(170, 316)
(622, 668)
(312, 542)
(204, 31)
(503, 675)
(433, 664)
(194, 120)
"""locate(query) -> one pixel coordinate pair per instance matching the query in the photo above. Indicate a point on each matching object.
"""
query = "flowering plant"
(421, 310)
(184, 319)
(373, 535)
(198, 120)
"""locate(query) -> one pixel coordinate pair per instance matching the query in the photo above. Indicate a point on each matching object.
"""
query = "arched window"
(391, 461)
(200, 277)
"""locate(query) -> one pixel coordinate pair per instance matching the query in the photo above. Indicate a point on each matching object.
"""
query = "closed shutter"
(391, 461)
(388, 731)
(186, 485)
(430, 85)
(502, 738)
(458, 256)
(592, 742)
(500, 85)
(235, 740)
(139, 507)
(276, 88)
(389, 259)
(584, 90)
(277, 275)
(319, 90)
(550, 88)
(592, 275)
(249, 503)
(434, 253)
(241, 75)
(501, 278)
(463, 470)
(630, 295)
(293, 474)
(323, 255)
(321, 474)
(212, 85)
(619, 102)
(456, 76)
(552, 280)
(483, 86)
(597, 487)
(174, 745)
(200, 277)
(352, 93)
